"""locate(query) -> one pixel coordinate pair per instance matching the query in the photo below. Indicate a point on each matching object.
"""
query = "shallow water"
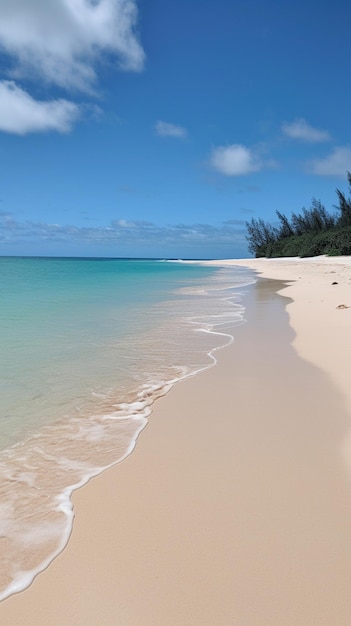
(87, 346)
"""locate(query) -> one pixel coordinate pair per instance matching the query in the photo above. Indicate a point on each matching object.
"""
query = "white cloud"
(61, 41)
(300, 129)
(337, 163)
(122, 232)
(21, 114)
(235, 160)
(170, 130)
(126, 224)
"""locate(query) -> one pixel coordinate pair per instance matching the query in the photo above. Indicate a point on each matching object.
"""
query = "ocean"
(87, 346)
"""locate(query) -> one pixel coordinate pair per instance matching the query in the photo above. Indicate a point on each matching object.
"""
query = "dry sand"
(235, 508)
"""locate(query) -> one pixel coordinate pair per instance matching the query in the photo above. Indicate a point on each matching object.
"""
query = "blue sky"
(156, 129)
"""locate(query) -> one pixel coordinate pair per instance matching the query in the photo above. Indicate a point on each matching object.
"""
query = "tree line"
(311, 232)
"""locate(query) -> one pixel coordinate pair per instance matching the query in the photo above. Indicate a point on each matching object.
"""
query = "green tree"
(259, 235)
(344, 206)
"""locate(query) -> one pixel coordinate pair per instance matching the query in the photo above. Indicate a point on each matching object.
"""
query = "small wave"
(39, 474)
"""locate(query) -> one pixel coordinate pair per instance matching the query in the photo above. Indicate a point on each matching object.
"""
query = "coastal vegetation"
(311, 232)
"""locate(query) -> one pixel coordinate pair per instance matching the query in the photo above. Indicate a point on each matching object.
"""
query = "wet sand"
(235, 507)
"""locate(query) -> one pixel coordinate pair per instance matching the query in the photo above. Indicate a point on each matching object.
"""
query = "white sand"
(235, 508)
(323, 330)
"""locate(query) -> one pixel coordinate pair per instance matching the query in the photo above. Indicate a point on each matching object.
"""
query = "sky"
(158, 128)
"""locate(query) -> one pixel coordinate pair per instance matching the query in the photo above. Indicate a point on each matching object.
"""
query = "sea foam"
(100, 427)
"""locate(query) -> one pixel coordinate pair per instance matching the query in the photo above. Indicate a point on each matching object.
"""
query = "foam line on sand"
(235, 507)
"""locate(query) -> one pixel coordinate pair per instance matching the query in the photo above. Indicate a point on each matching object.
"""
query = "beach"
(235, 507)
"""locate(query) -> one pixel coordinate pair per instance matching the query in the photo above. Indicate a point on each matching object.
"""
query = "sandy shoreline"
(235, 508)
(315, 305)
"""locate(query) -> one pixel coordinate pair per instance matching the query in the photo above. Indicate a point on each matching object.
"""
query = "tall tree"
(344, 205)
(259, 235)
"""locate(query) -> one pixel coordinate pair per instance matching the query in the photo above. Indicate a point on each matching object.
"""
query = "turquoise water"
(87, 346)
(64, 325)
